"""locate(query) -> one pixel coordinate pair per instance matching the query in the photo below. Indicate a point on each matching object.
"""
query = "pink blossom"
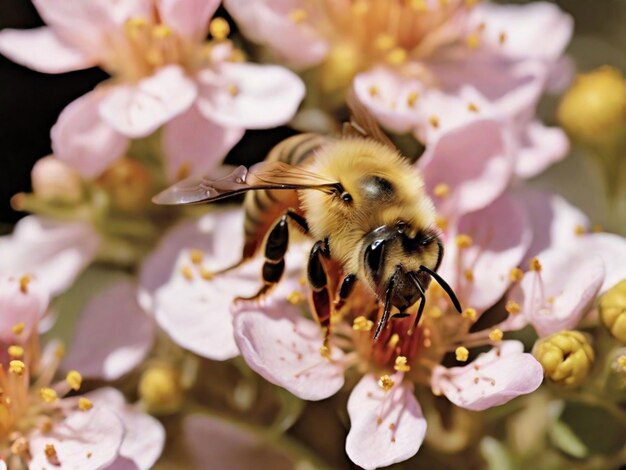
(164, 74)
(53, 251)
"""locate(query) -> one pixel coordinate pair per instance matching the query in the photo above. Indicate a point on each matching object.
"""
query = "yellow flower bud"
(128, 184)
(594, 109)
(160, 389)
(612, 308)
(566, 357)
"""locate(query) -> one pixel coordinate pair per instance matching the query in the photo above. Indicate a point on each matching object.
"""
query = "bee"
(359, 199)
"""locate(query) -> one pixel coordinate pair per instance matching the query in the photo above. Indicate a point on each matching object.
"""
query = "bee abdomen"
(263, 207)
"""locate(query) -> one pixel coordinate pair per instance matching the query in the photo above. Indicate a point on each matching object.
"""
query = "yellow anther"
(468, 274)
(298, 15)
(441, 190)
(419, 5)
(17, 367)
(470, 313)
(295, 297)
(24, 281)
(233, 90)
(237, 55)
(196, 256)
(463, 240)
(579, 230)
(373, 91)
(325, 352)
(51, 454)
(441, 222)
(472, 107)
(534, 265)
(597, 228)
(512, 307)
(162, 31)
(612, 307)
(384, 42)
(411, 98)
(394, 340)
(136, 22)
(219, 28)
(74, 379)
(434, 121)
(566, 357)
(461, 353)
(206, 274)
(496, 335)
(473, 40)
(15, 351)
(386, 383)
(59, 351)
(516, 275)
(502, 37)
(401, 364)
(18, 328)
(46, 425)
(47, 394)
(361, 323)
(397, 56)
(187, 273)
(84, 404)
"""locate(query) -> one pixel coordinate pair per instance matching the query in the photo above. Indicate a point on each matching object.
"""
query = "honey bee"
(357, 197)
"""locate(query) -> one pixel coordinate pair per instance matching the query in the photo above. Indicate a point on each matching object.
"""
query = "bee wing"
(264, 175)
(362, 123)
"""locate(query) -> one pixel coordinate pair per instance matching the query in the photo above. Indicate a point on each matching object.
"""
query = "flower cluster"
(162, 343)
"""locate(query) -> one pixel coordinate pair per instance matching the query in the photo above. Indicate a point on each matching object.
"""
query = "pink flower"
(44, 429)
(55, 252)
(164, 74)
(490, 57)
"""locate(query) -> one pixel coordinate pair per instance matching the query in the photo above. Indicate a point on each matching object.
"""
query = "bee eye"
(374, 257)
(346, 196)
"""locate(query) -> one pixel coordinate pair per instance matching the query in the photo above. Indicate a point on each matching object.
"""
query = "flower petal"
(112, 336)
(268, 22)
(145, 436)
(189, 18)
(55, 252)
(284, 348)
(217, 443)
(20, 302)
(194, 142)
(42, 50)
(538, 30)
(83, 440)
(385, 426)
(492, 379)
(473, 161)
(140, 109)
(541, 147)
(83, 140)
(249, 95)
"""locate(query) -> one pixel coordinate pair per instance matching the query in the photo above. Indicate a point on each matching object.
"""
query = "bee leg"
(318, 280)
(274, 266)
(387, 310)
(347, 286)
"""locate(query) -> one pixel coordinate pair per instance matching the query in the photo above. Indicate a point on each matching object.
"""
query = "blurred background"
(30, 103)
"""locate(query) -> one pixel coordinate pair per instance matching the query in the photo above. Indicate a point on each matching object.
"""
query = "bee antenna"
(387, 310)
(445, 286)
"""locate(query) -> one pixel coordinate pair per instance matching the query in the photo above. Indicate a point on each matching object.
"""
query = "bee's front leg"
(318, 280)
(347, 286)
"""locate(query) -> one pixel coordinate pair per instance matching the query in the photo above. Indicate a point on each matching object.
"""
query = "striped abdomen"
(263, 207)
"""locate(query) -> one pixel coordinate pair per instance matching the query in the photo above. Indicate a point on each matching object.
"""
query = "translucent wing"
(264, 175)
(362, 123)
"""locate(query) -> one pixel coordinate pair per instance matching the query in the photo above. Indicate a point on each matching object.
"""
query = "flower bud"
(612, 309)
(128, 184)
(160, 389)
(594, 109)
(53, 180)
(566, 357)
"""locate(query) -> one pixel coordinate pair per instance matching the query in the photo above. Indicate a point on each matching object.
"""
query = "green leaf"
(564, 439)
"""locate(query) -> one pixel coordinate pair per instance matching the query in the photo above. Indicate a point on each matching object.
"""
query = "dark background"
(30, 102)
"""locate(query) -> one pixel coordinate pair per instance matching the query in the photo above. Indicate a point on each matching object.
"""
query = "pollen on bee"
(361, 323)
(461, 353)
(512, 307)
(441, 190)
(473, 108)
(187, 273)
(534, 265)
(196, 256)
(463, 240)
(469, 313)
(385, 382)
(496, 335)
(24, 281)
(15, 351)
(298, 15)
(434, 121)
(401, 364)
(516, 274)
